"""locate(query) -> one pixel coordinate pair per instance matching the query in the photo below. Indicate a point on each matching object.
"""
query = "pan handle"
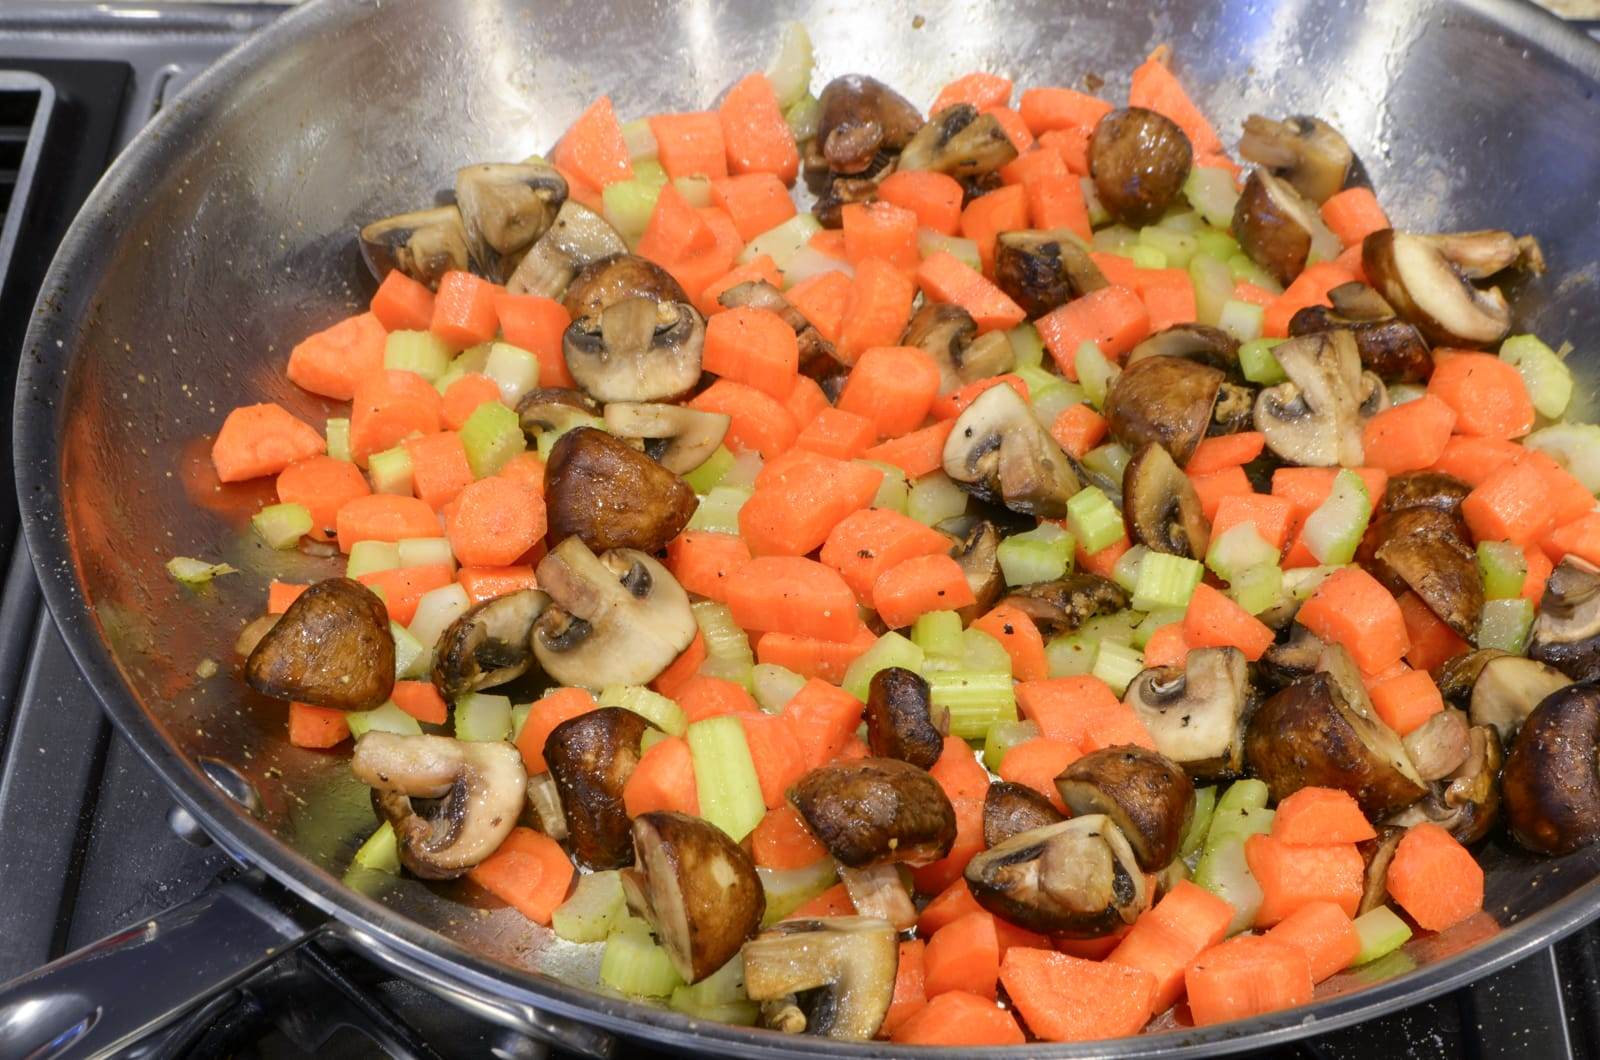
(103, 998)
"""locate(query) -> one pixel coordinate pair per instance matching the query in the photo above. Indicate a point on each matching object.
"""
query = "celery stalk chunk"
(1205, 804)
(938, 634)
(282, 526)
(391, 471)
(1505, 624)
(595, 905)
(891, 649)
(725, 776)
(1258, 364)
(386, 718)
(658, 710)
(483, 717)
(1093, 519)
(369, 557)
(634, 964)
(1544, 373)
(1002, 737)
(974, 701)
(1166, 581)
(196, 573)
(1095, 372)
(1117, 664)
(1381, 932)
(1504, 568)
(789, 889)
(491, 436)
(710, 473)
(1039, 555)
(421, 352)
(1334, 530)
(380, 852)
(338, 432)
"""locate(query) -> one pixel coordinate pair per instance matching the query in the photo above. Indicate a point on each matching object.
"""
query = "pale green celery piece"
(1334, 530)
(1257, 363)
(519, 718)
(627, 205)
(790, 70)
(650, 173)
(1002, 737)
(1095, 373)
(1117, 239)
(1188, 222)
(421, 352)
(775, 685)
(981, 653)
(1251, 273)
(804, 116)
(696, 190)
(386, 718)
(1249, 794)
(719, 996)
(1504, 568)
(491, 436)
(1237, 549)
(935, 498)
(639, 140)
(1211, 192)
(974, 701)
(1166, 581)
(650, 737)
(719, 510)
(1504, 624)
(633, 964)
(1176, 247)
(1546, 375)
(547, 439)
(789, 889)
(412, 658)
(894, 491)
(380, 852)
(481, 717)
(1118, 626)
(1257, 589)
(1027, 345)
(1040, 555)
(1194, 834)
(1242, 320)
(1160, 617)
(391, 471)
(1038, 378)
(744, 471)
(1117, 664)
(1147, 257)
(514, 370)
(782, 241)
(1575, 446)
(1222, 868)
(1125, 572)
(473, 358)
(1392, 964)
(808, 261)
(938, 634)
(425, 552)
(1217, 244)
(1094, 521)
(891, 649)
(724, 639)
(1213, 286)
(1381, 932)
(1050, 402)
(595, 904)
(451, 376)
(282, 526)
(338, 434)
(1070, 655)
(1098, 214)
(1301, 582)
(710, 473)
(1401, 393)
(436, 610)
(724, 775)
(1108, 461)
(931, 241)
(369, 557)
(658, 710)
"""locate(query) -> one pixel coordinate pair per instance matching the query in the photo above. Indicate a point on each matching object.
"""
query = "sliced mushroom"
(696, 888)
(543, 809)
(1166, 400)
(679, 439)
(1377, 854)
(636, 350)
(1283, 664)
(591, 758)
(548, 409)
(331, 647)
(1195, 342)
(1195, 713)
(874, 810)
(1042, 270)
(451, 802)
(1551, 782)
(998, 452)
(489, 644)
(1078, 878)
(1479, 255)
(1439, 745)
(1390, 347)
(1064, 605)
(840, 972)
(841, 191)
(859, 118)
(1426, 289)
(960, 142)
(1010, 809)
(1307, 152)
(616, 619)
(424, 244)
(1138, 160)
(1507, 689)
(818, 358)
(1145, 793)
(1566, 635)
(1423, 489)
(1314, 419)
(1466, 803)
(1458, 675)
(603, 283)
(979, 557)
(879, 891)
(577, 237)
(948, 334)
(900, 718)
(1278, 228)
(505, 208)
(1160, 506)
(607, 494)
(1427, 551)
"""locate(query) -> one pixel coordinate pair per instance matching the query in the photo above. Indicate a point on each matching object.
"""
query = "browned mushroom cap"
(1506, 690)
(835, 976)
(1166, 400)
(637, 349)
(1551, 782)
(1064, 605)
(1160, 506)
(900, 718)
(979, 557)
(680, 439)
(451, 802)
(1196, 342)
(577, 237)
(950, 337)
(604, 283)
(960, 142)
(1143, 792)
(1278, 228)
(1042, 270)
(554, 408)
(1314, 419)
(696, 888)
(1388, 346)
(506, 207)
(1423, 489)
(1466, 803)
(591, 757)
(817, 355)
(1195, 713)
(332, 647)
(859, 117)
(1376, 854)
(1566, 635)
(424, 244)
(1427, 551)
(874, 810)
(1479, 255)
(1078, 878)
(607, 494)
(1428, 290)
(489, 644)
(1010, 809)
(1307, 152)
(998, 452)
(1439, 745)
(1139, 160)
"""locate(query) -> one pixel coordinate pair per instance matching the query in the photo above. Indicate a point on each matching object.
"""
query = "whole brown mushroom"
(331, 647)
(1551, 783)
(1165, 400)
(875, 810)
(1010, 809)
(1139, 160)
(609, 495)
(601, 284)
(1043, 270)
(591, 758)
(1160, 507)
(1146, 794)
(1078, 878)
(900, 718)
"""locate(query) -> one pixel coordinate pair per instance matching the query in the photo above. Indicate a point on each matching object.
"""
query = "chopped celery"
(472, 359)
(1117, 239)
(421, 352)
(514, 370)
(931, 241)
(386, 718)
(935, 498)
(196, 572)
(282, 525)
(1095, 373)
(1117, 664)
(1248, 271)
(1334, 530)
(1040, 555)
(412, 658)
(595, 904)
(483, 718)
(891, 649)
(1051, 401)
(436, 610)
(380, 852)
(1037, 377)
(1222, 868)
(1213, 286)
(1242, 320)
(1211, 192)
(737, 1013)
(696, 190)
(634, 964)
(391, 471)
(789, 889)
(1118, 627)
(639, 140)
(724, 775)
(338, 432)
(1394, 963)
(1027, 345)
(790, 70)
(1576, 446)
(1176, 247)
(1098, 214)
(1238, 549)
(1258, 364)
(1301, 582)
(1108, 461)
(1166, 581)
(1161, 616)
(1186, 221)
(722, 987)
(491, 436)
(1248, 794)
(710, 473)
(1381, 932)
(1257, 589)
(519, 718)
(1400, 393)
(1504, 568)
(1125, 571)
(1002, 737)
(804, 116)
(974, 701)
(627, 205)
(1093, 519)
(426, 552)
(1070, 655)
(1147, 257)
(743, 472)
(1504, 624)
(938, 634)
(657, 709)
(784, 240)
(1546, 375)
(1217, 244)
(775, 685)
(808, 261)
(893, 491)
(728, 654)
(1194, 834)
(650, 172)
(649, 738)
(719, 510)
(369, 557)
(983, 654)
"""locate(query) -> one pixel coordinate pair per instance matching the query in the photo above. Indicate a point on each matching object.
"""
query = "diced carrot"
(683, 669)
(1406, 701)
(579, 189)
(1056, 201)
(825, 718)
(281, 594)
(689, 145)
(420, 700)
(334, 360)
(563, 704)
(1569, 498)
(1474, 459)
(792, 514)
(877, 310)
(703, 696)
(1408, 437)
(1214, 621)
(1540, 567)
(1105, 560)
(703, 561)
(958, 1018)
(1048, 109)
(263, 439)
(463, 310)
(463, 397)
(893, 386)
(1352, 608)
(1072, 145)
(948, 905)
(880, 230)
(1169, 300)
(979, 89)
(756, 202)
(593, 147)
(1020, 638)
(1078, 429)
(945, 278)
(910, 993)
(1035, 165)
(486, 583)
(934, 197)
(1324, 933)
(1187, 921)
(1313, 816)
(390, 406)
(1082, 711)
(1580, 537)
(964, 955)
(1066, 999)
(792, 594)
(402, 304)
(529, 872)
(1118, 270)
(761, 267)
(1512, 504)
(754, 347)
(837, 433)
(675, 230)
(935, 877)
(760, 422)
(1270, 515)
(953, 404)
(1114, 318)
(1432, 642)
(1155, 87)
(1291, 876)
(1002, 210)
(1350, 260)
(805, 402)
(1434, 878)
(959, 772)
(1247, 976)
(317, 727)
(1037, 762)
(783, 841)
(439, 468)
(1218, 486)
(494, 521)
(811, 656)
(1307, 487)
(1311, 287)
(917, 453)
(384, 517)
(403, 587)
(1224, 451)
(916, 586)
(1013, 126)
(835, 901)
(758, 138)
(1167, 646)
(823, 299)
(1488, 394)
(322, 485)
(530, 322)
(663, 779)
(1353, 214)
(698, 271)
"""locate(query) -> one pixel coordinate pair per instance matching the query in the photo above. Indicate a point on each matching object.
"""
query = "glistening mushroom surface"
(636, 349)
(591, 757)
(998, 453)
(609, 495)
(1078, 878)
(331, 647)
(876, 809)
(1195, 713)
(489, 644)
(840, 972)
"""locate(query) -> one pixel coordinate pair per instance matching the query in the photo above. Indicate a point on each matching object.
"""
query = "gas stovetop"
(90, 841)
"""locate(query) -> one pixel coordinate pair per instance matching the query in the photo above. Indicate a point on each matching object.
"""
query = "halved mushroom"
(506, 207)
(1423, 489)
(1466, 803)
(1479, 255)
(817, 355)
(591, 758)
(1042, 270)
(1078, 878)
(979, 557)
(423, 244)
(1427, 551)
(543, 809)
(1160, 506)
(1283, 664)
(1458, 675)
(636, 349)
(695, 887)
(874, 810)
(1507, 689)
(451, 802)
(1138, 160)
(960, 142)
(607, 494)
(1010, 809)
(859, 118)
(489, 644)
(679, 439)
(1143, 792)
(1278, 228)
(1566, 635)
(900, 718)
(554, 408)
(999, 453)
(950, 337)
(1392, 348)
(880, 891)
(577, 237)
(1377, 854)
(331, 647)
(1064, 605)
(1428, 290)
(1307, 152)
(603, 283)
(1314, 419)
(1439, 745)
(1235, 409)
(619, 618)
(1195, 713)
(840, 973)
(1551, 782)
(1167, 400)
(1195, 342)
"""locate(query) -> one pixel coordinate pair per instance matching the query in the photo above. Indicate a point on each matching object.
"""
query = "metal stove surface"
(87, 837)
